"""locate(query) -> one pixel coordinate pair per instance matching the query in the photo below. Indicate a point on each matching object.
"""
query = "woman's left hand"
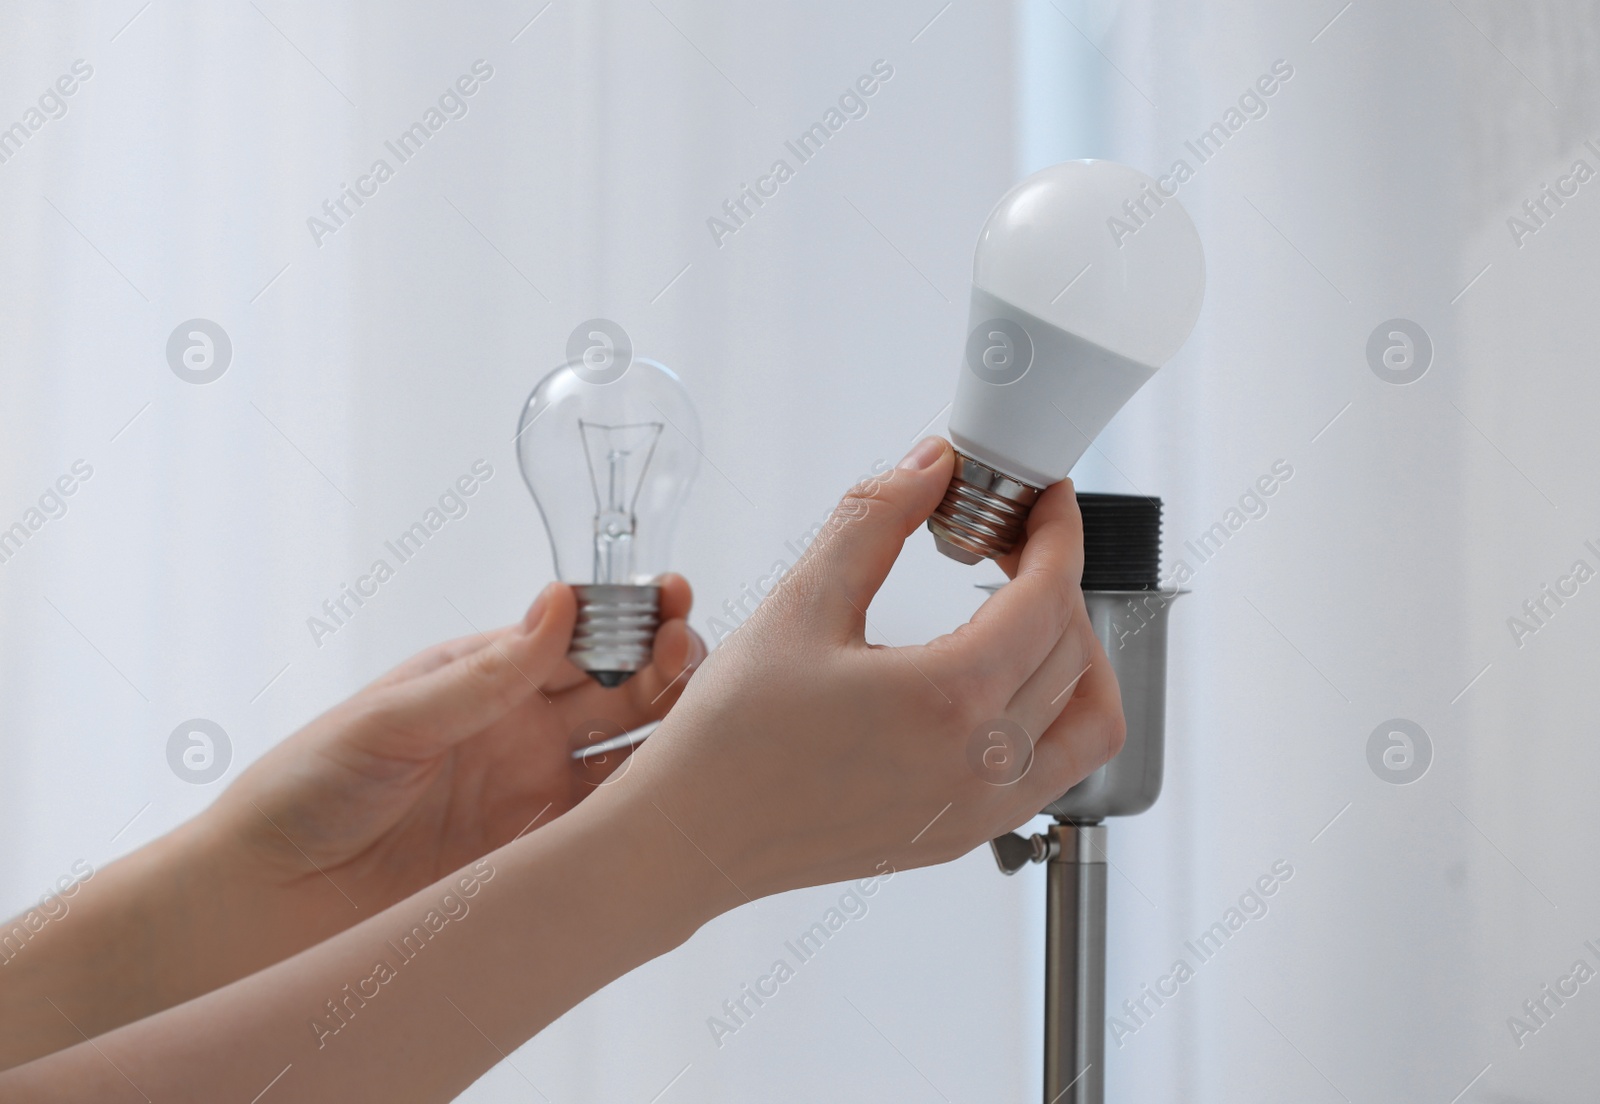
(455, 752)
(452, 754)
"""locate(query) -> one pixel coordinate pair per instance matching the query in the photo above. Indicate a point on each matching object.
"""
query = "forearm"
(418, 1001)
(179, 917)
(100, 961)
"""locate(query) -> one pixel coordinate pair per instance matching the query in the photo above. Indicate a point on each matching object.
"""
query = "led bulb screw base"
(983, 513)
(615, 630)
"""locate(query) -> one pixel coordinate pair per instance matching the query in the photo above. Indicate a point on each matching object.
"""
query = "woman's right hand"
(800, 754)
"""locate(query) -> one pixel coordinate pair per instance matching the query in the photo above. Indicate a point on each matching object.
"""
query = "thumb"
(469, 693)
(859, 543)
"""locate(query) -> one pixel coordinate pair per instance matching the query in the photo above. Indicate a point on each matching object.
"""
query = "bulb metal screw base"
(983, 513)
(615, 630)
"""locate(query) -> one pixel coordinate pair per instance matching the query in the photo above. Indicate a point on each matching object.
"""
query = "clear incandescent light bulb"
(609, 457)
(1088, 276)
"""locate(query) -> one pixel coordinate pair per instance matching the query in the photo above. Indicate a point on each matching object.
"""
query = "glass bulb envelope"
(609, 459)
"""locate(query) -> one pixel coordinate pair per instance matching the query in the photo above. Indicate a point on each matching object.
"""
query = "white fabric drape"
(1381, 581)
(374, 363)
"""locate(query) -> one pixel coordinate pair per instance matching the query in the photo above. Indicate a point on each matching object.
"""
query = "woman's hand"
(452, 754)
(801, 754)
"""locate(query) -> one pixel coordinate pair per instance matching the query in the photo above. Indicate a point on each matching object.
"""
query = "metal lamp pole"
(1128, 612)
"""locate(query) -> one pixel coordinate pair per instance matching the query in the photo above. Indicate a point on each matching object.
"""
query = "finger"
(1058, 502)
(431, 659)
(677, 651)
(1012, 633)
(647, 696)
(677, 597)
(849, 560)
(1043, 697)
(475, 690)
(675, 601)
(565, 676)
(1086, 735)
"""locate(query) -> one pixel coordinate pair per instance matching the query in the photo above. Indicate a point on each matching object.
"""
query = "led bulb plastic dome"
(1140, 273)
(1086, 279)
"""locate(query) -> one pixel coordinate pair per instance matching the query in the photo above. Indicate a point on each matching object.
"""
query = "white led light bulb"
(1086, 279)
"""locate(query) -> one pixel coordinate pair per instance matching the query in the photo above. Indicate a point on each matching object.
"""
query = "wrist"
(196, 909)
(651, 848)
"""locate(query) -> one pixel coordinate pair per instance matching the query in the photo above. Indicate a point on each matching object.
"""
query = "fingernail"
(927, 451)
(535, 612)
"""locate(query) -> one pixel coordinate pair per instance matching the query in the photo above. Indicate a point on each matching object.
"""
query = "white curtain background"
(372, 368)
